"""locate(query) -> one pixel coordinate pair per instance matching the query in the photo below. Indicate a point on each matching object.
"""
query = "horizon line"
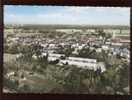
(70, 24)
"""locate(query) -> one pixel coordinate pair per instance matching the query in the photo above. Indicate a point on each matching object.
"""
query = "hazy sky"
(66, 15)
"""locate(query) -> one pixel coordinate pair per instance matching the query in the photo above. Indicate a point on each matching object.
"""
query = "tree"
(68, 52)
(108, 36)
(87, 53)
(102, 33)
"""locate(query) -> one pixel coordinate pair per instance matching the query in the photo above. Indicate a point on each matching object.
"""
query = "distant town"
(92, 59)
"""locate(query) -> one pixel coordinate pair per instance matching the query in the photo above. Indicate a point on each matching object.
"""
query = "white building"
(105, 47)
(10, 74)
(99, 50)
(53, 56)
(82, 59)
(84, 63)
(116, 44)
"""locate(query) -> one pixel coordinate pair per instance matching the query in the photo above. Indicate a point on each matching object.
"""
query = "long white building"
(84, 63)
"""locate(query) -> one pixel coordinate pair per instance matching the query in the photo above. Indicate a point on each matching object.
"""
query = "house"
(116, 44)
(108, 43)
(102, 66)
(105, 47)
(127, 42)
(10, 74)
(44, 54)
(53, 56)
(19, 55)
(99, 50)
(34, 57)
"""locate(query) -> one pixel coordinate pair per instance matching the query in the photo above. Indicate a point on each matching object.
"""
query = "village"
(89, 49)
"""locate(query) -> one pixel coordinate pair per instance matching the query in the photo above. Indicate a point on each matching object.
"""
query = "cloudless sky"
(66, 15)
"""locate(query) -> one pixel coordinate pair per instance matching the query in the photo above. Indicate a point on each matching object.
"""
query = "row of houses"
(96, 44)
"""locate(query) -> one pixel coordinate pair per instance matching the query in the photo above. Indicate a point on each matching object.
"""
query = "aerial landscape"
(66, 50)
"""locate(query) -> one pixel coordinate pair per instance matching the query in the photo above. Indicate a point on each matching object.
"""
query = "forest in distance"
(64, 26)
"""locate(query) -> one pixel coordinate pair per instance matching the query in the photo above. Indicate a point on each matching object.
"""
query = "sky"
(66, 15)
